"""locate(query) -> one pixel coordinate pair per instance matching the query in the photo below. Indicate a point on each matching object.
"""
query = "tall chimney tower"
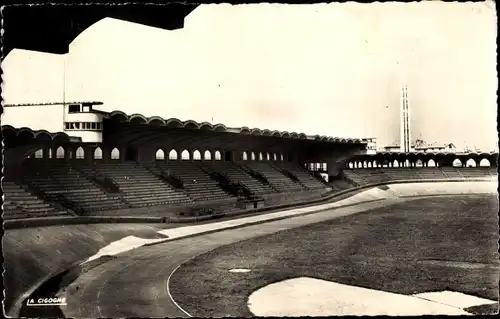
(405, 142)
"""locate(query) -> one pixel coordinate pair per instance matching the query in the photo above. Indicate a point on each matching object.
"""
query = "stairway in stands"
(237, 174)
(140, 187)
(59, 179)
(197, 184)
(276, 178)
(303, 175)
(19, 202)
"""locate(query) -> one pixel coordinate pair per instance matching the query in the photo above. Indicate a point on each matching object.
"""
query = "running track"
(135, 284)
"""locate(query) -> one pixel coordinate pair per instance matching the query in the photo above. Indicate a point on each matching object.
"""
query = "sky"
(328, 69)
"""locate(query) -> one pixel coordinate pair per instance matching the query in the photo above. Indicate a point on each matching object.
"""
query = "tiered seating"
(493, 173)
(238, 175)
(304, 176)
(281, 182)
(451, 172)
(400, 173)
(140, 187)
(59, 178)
(430, 173)
(340, 185)
(357, 179)
(366, 176)
(20, 203)
(476, 172)
(197, 183)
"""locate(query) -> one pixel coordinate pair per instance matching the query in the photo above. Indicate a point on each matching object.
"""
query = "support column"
(89, 154)
(106, 154)
(67, 154)
(45, 154)
(123, 152)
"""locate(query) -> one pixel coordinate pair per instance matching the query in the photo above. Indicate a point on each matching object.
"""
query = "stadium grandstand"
(391, 166)
(94, 199)
(114, 164)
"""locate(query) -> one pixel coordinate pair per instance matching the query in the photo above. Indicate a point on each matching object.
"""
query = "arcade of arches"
(426, 160)
(128, 154)
(392, 160)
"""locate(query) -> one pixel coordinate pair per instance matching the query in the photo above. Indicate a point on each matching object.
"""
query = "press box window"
(74, 108)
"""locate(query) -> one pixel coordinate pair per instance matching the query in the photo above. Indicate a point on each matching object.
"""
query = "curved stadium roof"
(120, 116)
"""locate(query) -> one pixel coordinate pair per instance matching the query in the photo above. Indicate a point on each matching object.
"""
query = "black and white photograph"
(249, 159)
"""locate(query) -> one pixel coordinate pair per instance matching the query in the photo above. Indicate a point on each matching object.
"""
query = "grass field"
(431, 244)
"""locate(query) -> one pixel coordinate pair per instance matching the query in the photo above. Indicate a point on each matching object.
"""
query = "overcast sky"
(329, 69)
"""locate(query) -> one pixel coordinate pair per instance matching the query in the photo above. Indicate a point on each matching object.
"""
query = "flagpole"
(64, 91)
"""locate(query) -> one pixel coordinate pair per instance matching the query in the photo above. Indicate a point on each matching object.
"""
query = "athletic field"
(426, 245)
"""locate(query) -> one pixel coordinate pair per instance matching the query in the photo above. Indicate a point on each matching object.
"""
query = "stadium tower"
(405, 142)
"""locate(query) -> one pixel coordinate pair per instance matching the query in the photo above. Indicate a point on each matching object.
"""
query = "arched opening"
(485, 163)
(351, 165)
(268, 156)
(431, 163)
(160, 155)
(281, 157)
(244, 156)
(419, 163)
(457, 163)
(60, 152)
(470, 163)
(185, 156)
(50, 153)
(207, 156)
(115, 154)
(275, 157)
(252, 156)
(395, 163)
(260, 156)
(131, 154)
(197, 155)
(98, 153)
(80, 153)
(369, 165)
(172, 155)
(217, 156)
(39, 153)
